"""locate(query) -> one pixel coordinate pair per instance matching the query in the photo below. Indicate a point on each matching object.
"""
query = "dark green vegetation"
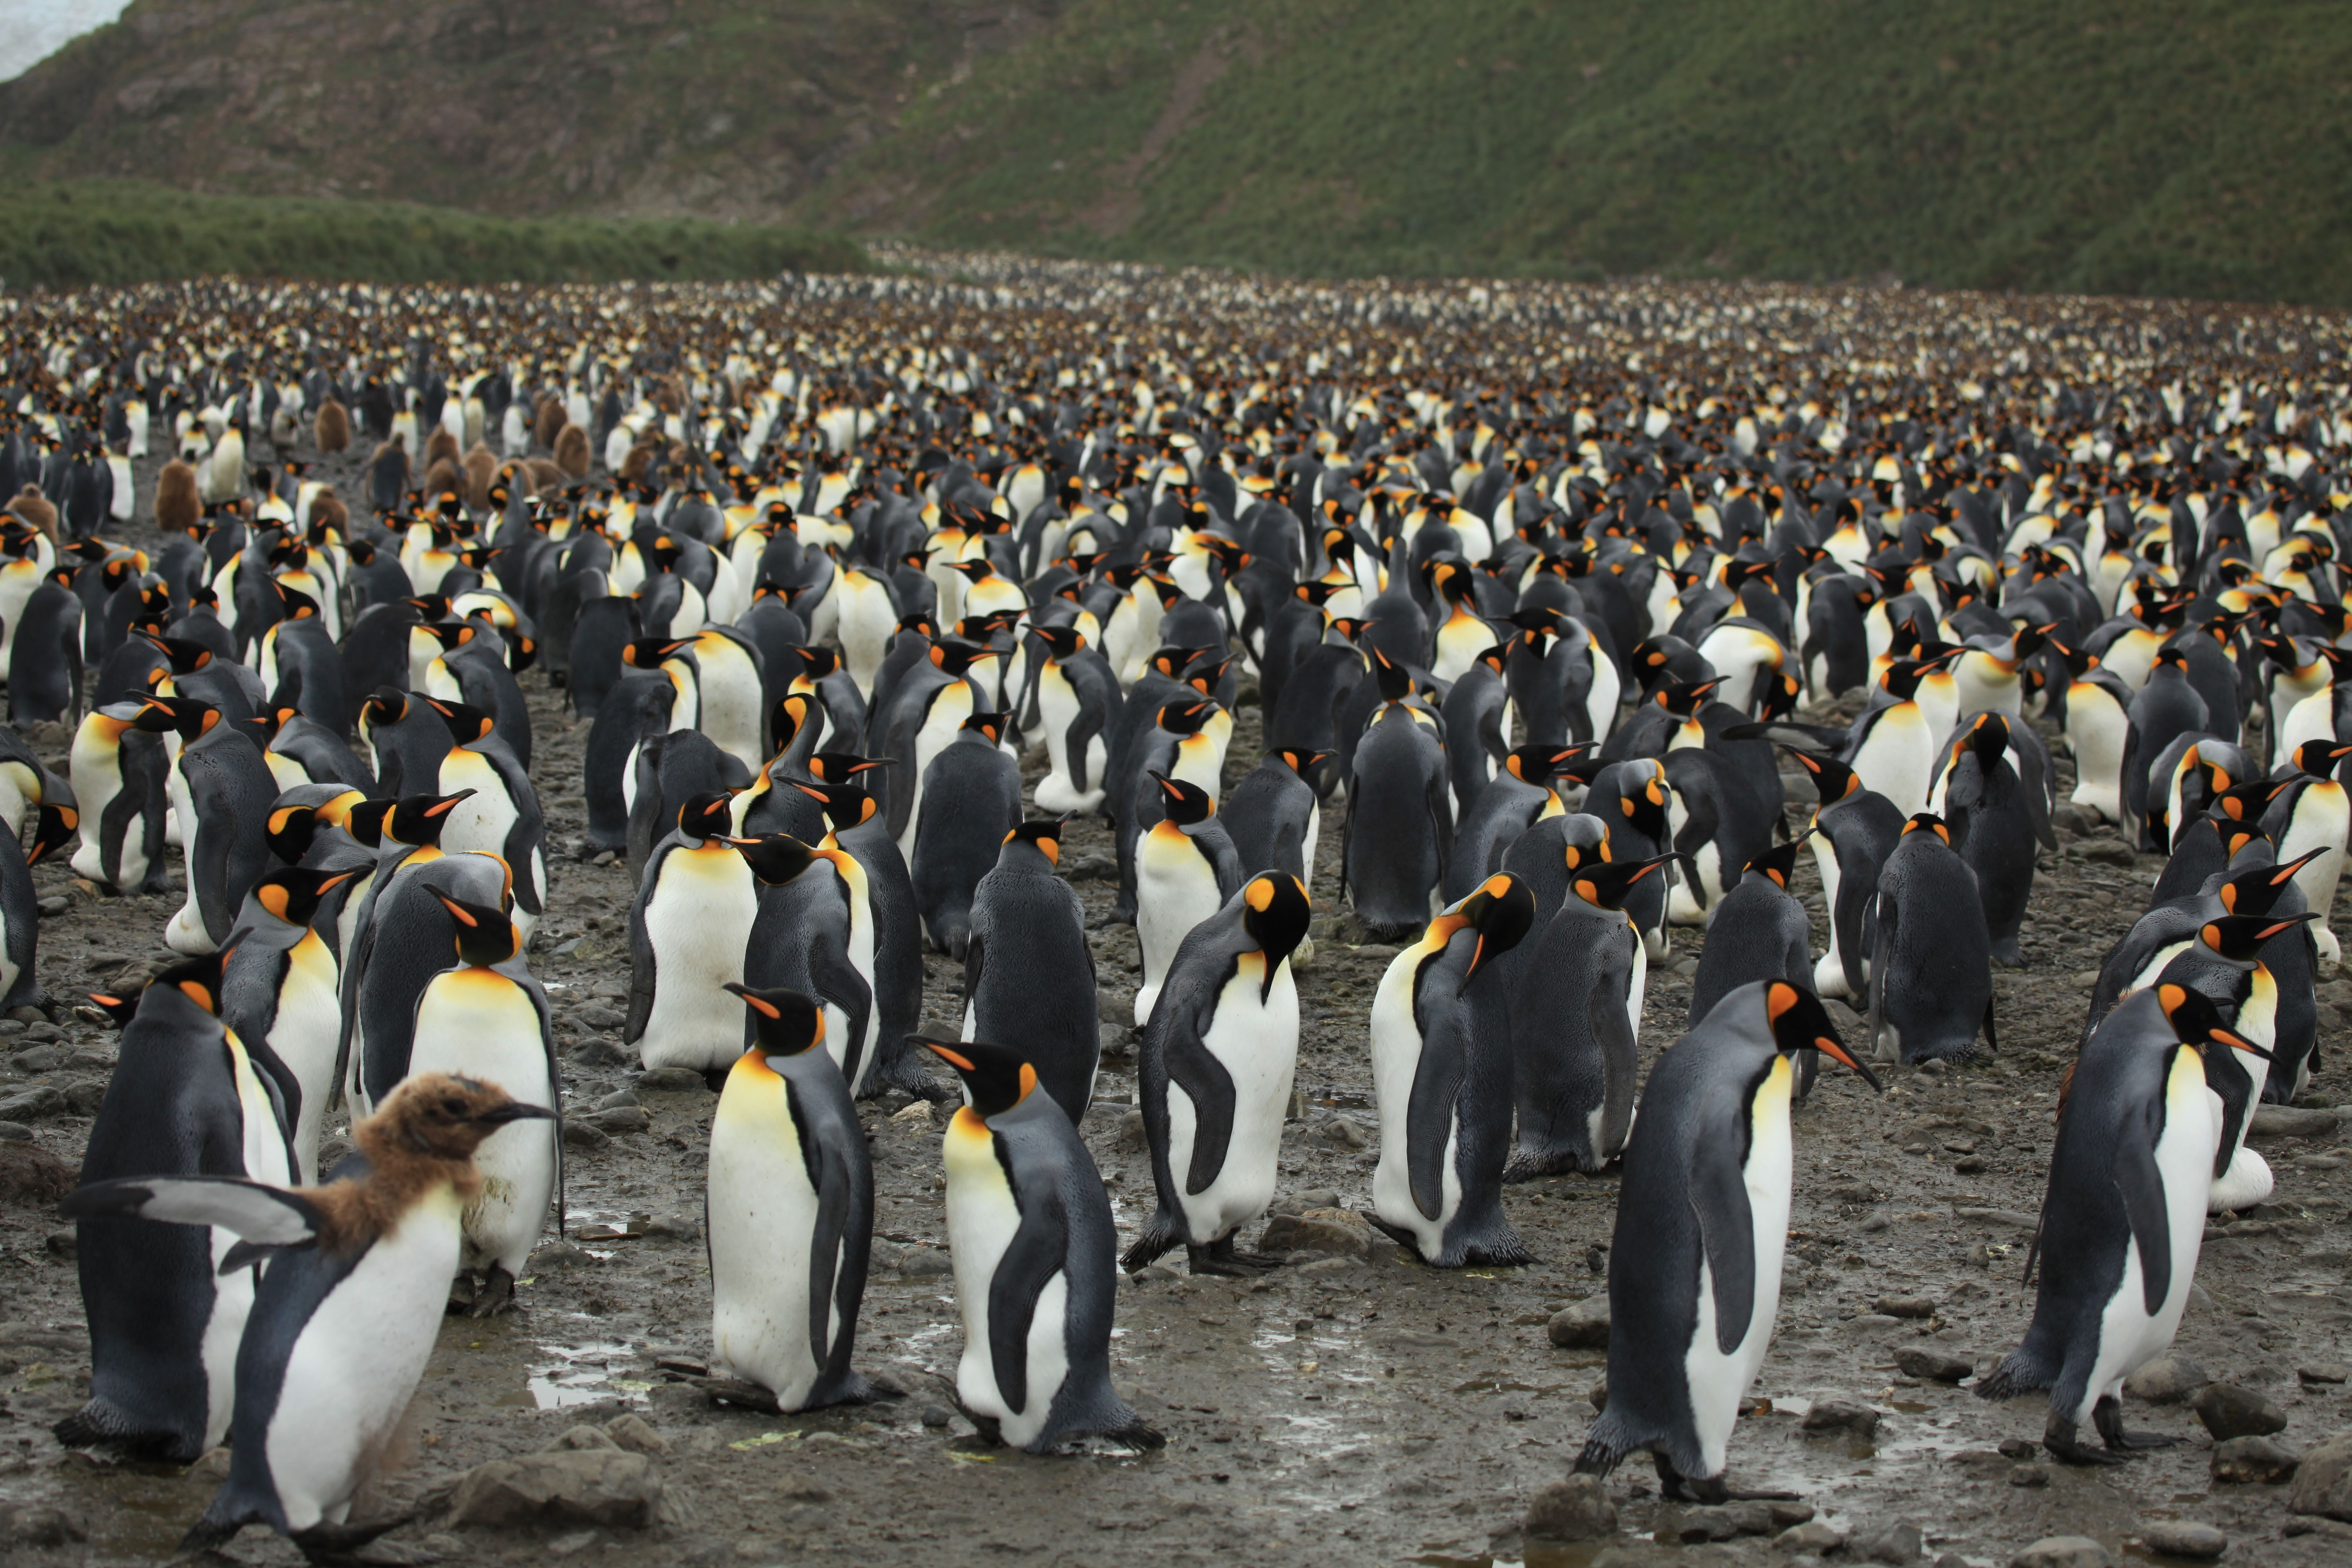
(2192, 147)
(68, 235)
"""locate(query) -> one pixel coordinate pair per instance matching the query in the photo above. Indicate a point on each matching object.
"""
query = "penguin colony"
(819, 567)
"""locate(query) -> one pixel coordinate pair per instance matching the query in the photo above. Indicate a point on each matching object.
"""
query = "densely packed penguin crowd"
(1537, 589)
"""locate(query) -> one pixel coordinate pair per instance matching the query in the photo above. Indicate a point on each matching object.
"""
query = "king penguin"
(1215, 1075)
(2123, 1218)
(1028, 974)
(1441, 1030)
(694, 910)
(1185, 869)
(1702, 1223)
(348, 1308)
(1931, 964)
(791, 1207)
(280, 990)
(1037, 1263)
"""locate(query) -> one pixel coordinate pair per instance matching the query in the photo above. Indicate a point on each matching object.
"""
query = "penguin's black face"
(1044, 835)
(2247, 802)
(846, 767)
(707, 814)
(1274, 912)
(464, 723)
(1061, 642)
(1799, 1022)
(1833, 780)
(57, 826)
(119, 1010)
(365, 821)
(293, 893)
(1606, 883)
(418, 819)
(1644, 807)
(647, 653)
(774, 857)
(2197, 1021)
(1395, 681)
(198, 979)
(1502, 911)
(1778, 862)
(290, 830)
(1537, 764)
(792, 712)
(486, 937)
(2253, 892)
(1186, 718)
(785, 1022)
(952, 658)
(846, 805)
(2318, 758)
(2238, 939)
(1186, 803)
(995, 1078)
(1988, 737)
(992, 725)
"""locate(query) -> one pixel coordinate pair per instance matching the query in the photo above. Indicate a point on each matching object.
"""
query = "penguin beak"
(1830, 1047)
(514, 1110)
(2238, 1042)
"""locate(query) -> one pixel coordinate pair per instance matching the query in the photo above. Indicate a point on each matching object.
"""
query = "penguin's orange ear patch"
(1779, 998)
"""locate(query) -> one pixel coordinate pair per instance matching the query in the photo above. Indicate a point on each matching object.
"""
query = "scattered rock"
(636, 1434)
(1299, 1202)
(38, 1524)
(672, 1227)
(926, 1263)
(2250, 1461)
(2167, 1380)
(2292, 1122)
(618, 1119)
(2030, 1476)
(1115, 1009)
(1897, 1543)
(1583, 1326)
(1577, 1509)
(1814, 1538)
(935, 1416)
(2105, 852)
(2323, 1482)
(608, 1486)
(2063, 1551)
(1840, 1415)
(914, 1113)
(1905, 1306)
(590, 1439)
(559, 1254)
(1131, 1134)
(39, 1059)
(55, 904)
(36, 1104)
(597, 1015)
(2326, 1372)
(1341, 1232)
(1916, 1361)
(596, 1051)
(2183, 1537)
(2018, 1448)
(15, 1132)
(670, 1080)
(31, 1174)
(1345, 1133)
(2228, 1411)
(581, 1133)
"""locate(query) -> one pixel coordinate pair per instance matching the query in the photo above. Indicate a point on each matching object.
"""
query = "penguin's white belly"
(186, 931)
(1895, 758)
(762, 1215)
(1637, 983)
(946, 715)
(478, 1023)
(1396, 1060)
(731, 700)
(1057, 710)
(263, 1152)
(1829, 973)
(2129, 1335)
(482, 821)
(1258, 1048)
(1175, 889)
(305, 1036)
(354, 1365)
(2094, 732)
(867, 621)
(2321, 821)
(95, 770)
(1718, 1378)
(697, 921)
(982, 1218)
(1307, 846)
(2313, 719)
(861, 958)
(1600, 701)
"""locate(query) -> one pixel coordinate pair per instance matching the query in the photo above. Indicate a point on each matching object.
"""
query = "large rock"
(2167, 1380)
(1918, 1360)
(1583, 1326)
(2248, 1461)
(2063, 1551)
(1577, 1509)
(1895, 1544)
(2288, 1122)
(601, 1486)
(2323, 1482)
(1840, 1415)
(2228, 1411)
(2183, 1537)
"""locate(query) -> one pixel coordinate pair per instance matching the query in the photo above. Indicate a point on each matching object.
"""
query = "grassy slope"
(66, 235)
(2174, 146)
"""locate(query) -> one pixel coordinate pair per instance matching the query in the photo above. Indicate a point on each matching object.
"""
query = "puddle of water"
(578, 1375)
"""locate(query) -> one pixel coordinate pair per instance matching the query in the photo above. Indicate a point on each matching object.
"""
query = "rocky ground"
(1354, 1407)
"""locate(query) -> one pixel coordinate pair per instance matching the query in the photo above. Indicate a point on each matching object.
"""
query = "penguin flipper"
(1431, 1113)
(1719, 1200)
(642, 964)
(1879, 948)
(837, 980)
(1038, 1251)
(1194, 1067)
(263, 1216)
(2141, 1186)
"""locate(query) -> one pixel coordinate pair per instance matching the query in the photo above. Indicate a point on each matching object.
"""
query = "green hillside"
(2168, 146)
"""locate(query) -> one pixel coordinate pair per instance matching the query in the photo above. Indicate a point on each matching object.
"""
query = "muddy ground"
(1340, 1411)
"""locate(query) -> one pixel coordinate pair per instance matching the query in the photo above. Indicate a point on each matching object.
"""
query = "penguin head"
(2253, 892)
(1061, 642)
(990, 726)
(785, 1023)
(293, 893)
(2197, 1021)
(846, 802)
(2171, 659)
(1778, 862)
(1203, 674)
(451, 635)
(1395, 680)
(199, 979)
(792, 711)
(1833, 780)
(1902, 677)
(298, 605)
(1605, 883)
(1537, 764)
(364, 821)
(441, 1116)
(387, 707)
(1644, 805)
(995, 1078)
(1928, 822)
(647, 653)
(2248, 801)
(1186, 803)
(1988, 737)
(486, 937)
(2318, 758)
(956, 658)
(1186, 718)
(846, 768)
(1043, 834)
(192, 717)
(57, 829)
(1799, 1022)
(117, 1008)
(290, 829)
(1274, 912)
(776, 859)
(2238, 939)
(1501, 911)
(417, 819)
(707, 815)
(1299, 760)
(466, 724)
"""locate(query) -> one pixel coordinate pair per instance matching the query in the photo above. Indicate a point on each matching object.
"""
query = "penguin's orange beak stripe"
(960, 1063)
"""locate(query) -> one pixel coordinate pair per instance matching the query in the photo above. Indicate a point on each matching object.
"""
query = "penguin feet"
(495, 1294)
(324, 1543)
(2059, 1436)
(1221, 1258)
(2108, 1415)
(2007, 954)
